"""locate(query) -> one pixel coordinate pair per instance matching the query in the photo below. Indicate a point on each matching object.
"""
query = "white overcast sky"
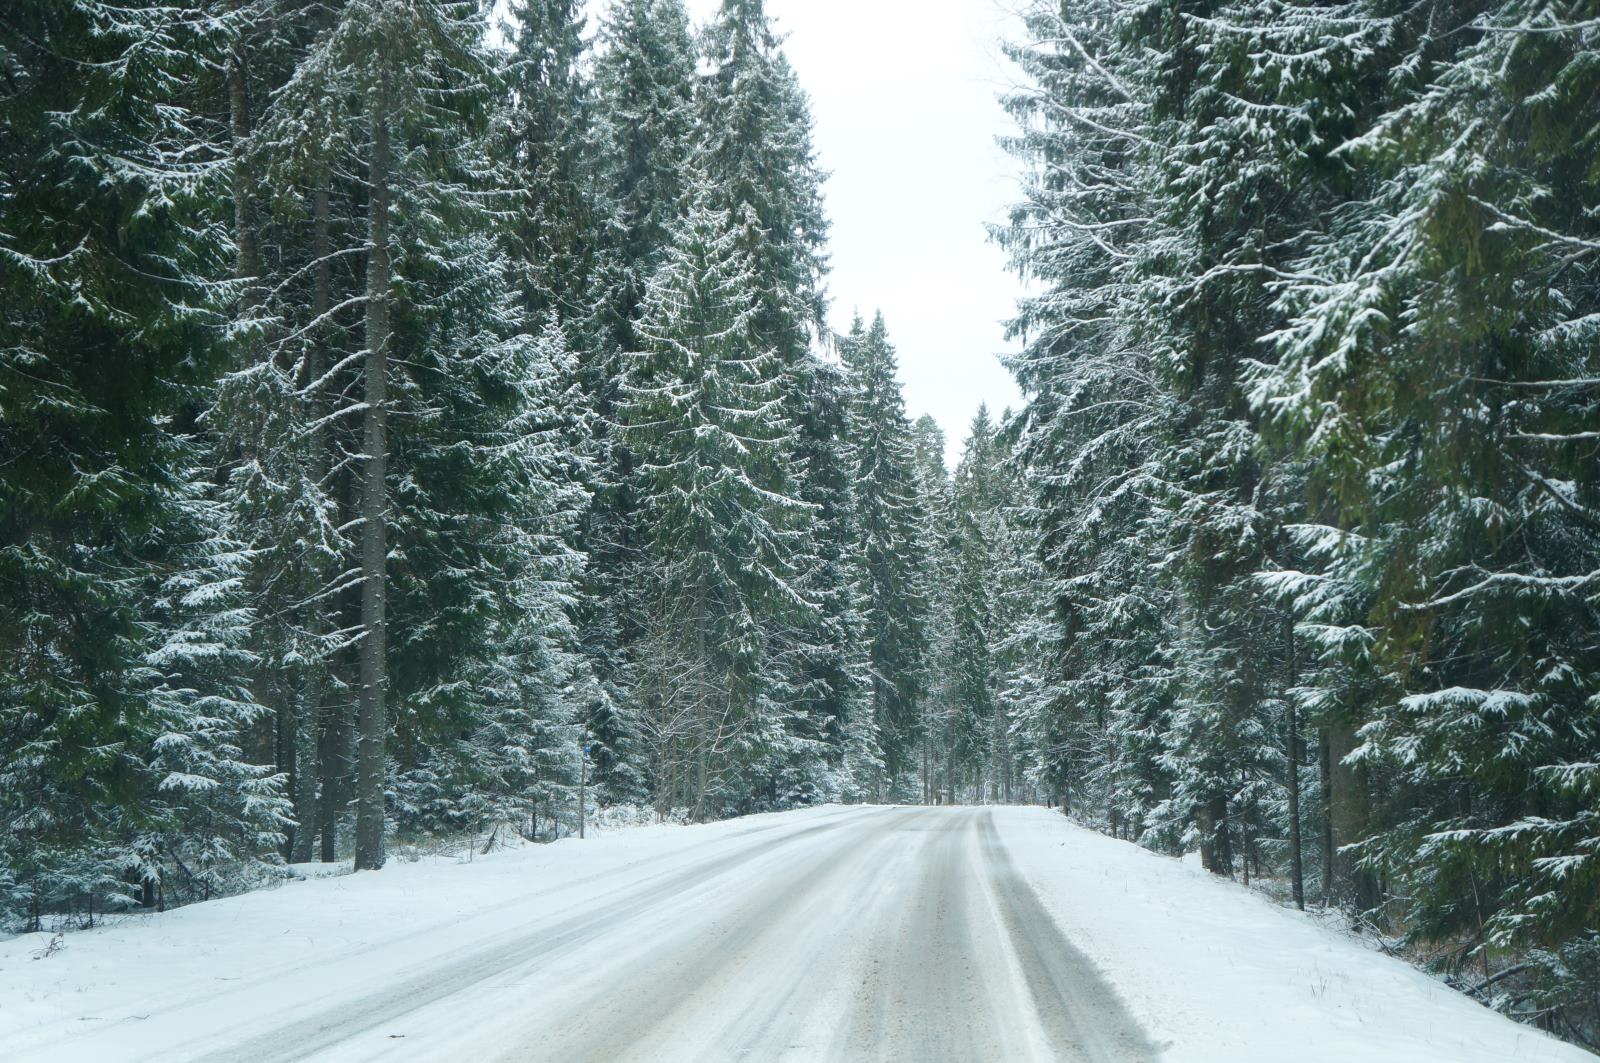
(903, 97)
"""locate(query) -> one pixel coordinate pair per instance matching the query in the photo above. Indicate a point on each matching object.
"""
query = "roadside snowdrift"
(1219, 974)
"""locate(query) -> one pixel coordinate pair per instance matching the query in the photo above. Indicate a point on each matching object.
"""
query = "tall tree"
(644, 84)
(703, 409)
(120, 620)
(891, 554)
(412, 83)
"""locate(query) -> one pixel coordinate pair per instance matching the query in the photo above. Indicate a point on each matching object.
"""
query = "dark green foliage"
(116, 605)
(403, 416)
(1311, 437)
(891, 558)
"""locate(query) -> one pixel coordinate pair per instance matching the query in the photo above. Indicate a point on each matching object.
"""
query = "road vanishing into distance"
(852, 934)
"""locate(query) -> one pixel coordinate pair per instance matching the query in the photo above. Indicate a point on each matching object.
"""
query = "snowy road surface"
(830, 934)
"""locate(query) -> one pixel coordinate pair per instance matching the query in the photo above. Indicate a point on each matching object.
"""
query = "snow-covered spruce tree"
(754, 123)
(1184, 161)
(891, 554)
(122, 700)
(483, 516)
(756, 147)
(989, 601)
(546, 144)
(702, 409)
(1299, 207)
(933, 534)
(970, 663)
(981, 611)
(819, 652)
(1089, 436)
(644, 85)
(217, 813)
(1232, 195)
(276, 451)
(1439, 373)
(1027, 680)
(644, 78)
(409, 87)
(489, 733)
(552, 146)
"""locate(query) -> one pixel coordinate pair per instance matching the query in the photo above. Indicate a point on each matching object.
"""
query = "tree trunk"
(335, 753)
(1216, 845)
(373, 720)
(309, 797)
(1325, 801)
(1297, 871)
(307, 772)
(1349, 817)
(927, 780)
(333, 757)
(281, 703)
(248, 263)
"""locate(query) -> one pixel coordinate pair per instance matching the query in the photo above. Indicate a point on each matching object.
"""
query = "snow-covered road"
(830, 934)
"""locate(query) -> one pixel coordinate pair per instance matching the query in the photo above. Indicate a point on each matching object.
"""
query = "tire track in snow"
(1082, 1016)
(350, 1018)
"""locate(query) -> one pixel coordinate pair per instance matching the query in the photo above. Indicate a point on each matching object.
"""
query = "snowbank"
(1219, 974)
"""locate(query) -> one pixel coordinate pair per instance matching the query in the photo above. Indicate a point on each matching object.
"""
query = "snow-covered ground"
(1216, 972)
(832, 933)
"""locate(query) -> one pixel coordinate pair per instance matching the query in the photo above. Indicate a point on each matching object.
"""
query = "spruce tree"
(408, 86)
(702, 409)
(1446, 434)
(644, 82)
(890, 555)
(120, 615)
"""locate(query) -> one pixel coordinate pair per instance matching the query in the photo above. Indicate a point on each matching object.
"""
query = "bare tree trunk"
(309, 797)
(373, 720)
(333, 757)
(1216, 844)
(1297, 869)
(305, 789)
(703, 739)
(248, 263)
(279, 703)
(1325, 800)
(927, 781)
